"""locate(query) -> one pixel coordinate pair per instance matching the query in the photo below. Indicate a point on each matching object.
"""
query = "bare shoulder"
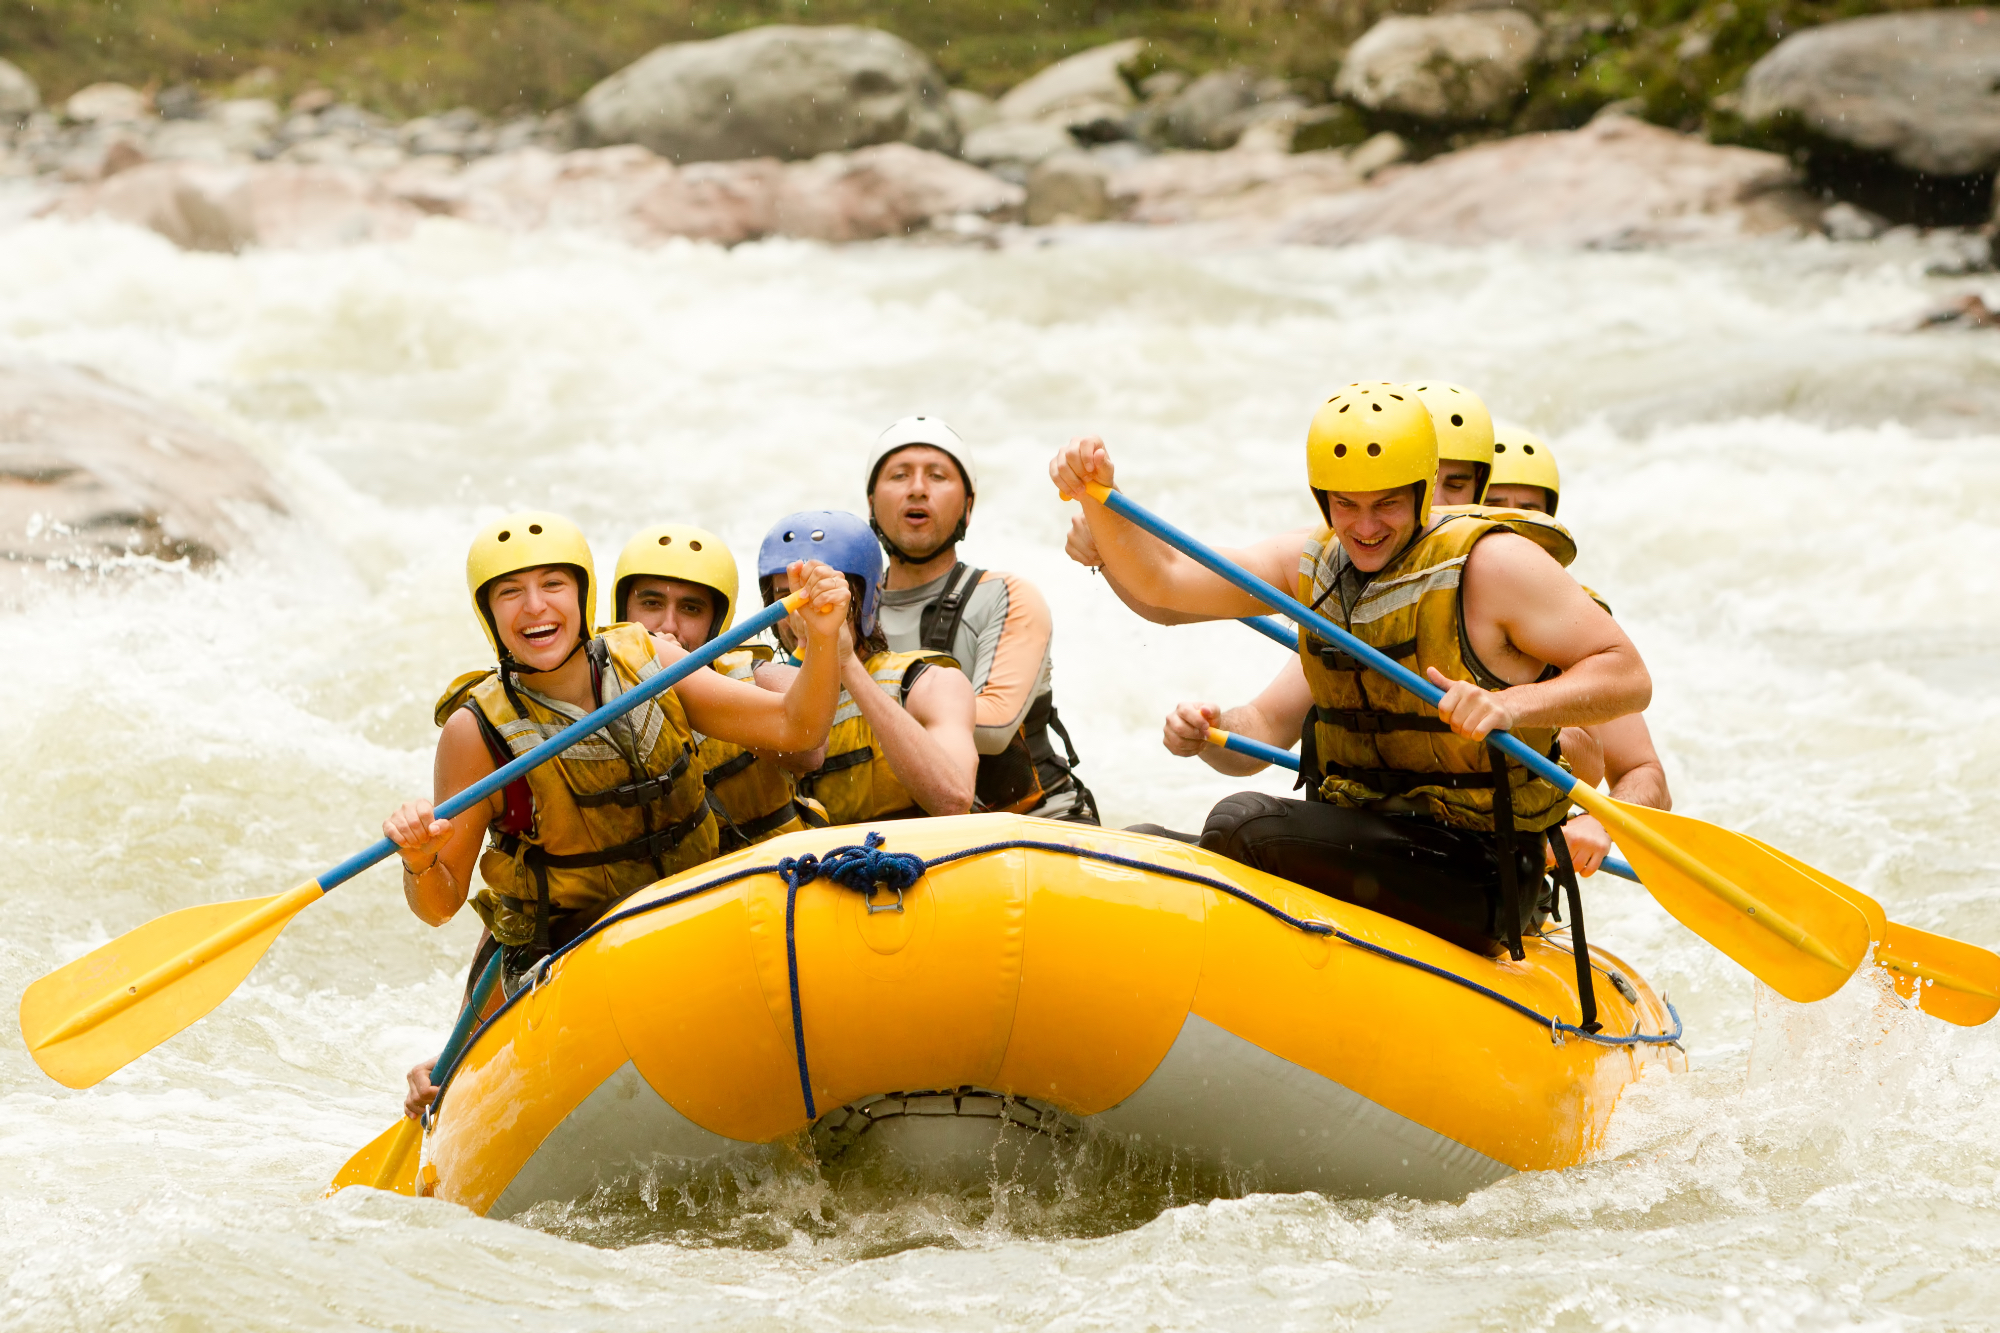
(460, 735)
(1502, 561)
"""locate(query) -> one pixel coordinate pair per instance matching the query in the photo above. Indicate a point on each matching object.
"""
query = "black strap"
(910, 679)
(1336, 659)
(728, 768)
(651, 846)
(1056, 725)
(1397, 781)
(1508, 851)
(835, 763)
(938, 622)
(1586, 990)
(753, 829)
(1372, 721)
(643, 792)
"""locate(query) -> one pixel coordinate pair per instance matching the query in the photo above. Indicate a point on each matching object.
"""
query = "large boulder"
(1445, 69)
(781, 91)
(19, 98)
(91, 471)
(1240, 185)
(1616, 182)
(1078, 90)
(209, 206)
(108, 104)
(1918, 88)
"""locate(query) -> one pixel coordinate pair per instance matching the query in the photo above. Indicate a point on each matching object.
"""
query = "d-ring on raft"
(1037, 974)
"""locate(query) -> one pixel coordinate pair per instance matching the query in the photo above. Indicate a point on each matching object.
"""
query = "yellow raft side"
(1032, 973)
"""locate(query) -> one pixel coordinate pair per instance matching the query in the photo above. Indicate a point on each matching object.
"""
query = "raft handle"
(868, 899)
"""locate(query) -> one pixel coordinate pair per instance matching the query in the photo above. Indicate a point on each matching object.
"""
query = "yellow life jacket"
(613, 813)
(1538, 528)
(1368, 740)
(755, 799)
(856, 784)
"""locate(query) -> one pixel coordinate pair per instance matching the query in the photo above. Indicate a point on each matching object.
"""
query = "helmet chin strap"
(509, 662)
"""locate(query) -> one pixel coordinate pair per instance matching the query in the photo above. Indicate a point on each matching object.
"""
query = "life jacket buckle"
(868, 900)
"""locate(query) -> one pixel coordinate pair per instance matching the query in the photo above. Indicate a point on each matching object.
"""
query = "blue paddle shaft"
(1307, 618)
(1274, 629)
(570, 735)
(1622, 869)
(468, 1018)
(1270, 754)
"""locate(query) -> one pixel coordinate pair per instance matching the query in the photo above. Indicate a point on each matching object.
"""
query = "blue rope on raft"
(864, 868)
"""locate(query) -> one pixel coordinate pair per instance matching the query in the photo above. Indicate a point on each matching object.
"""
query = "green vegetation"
(404, 57)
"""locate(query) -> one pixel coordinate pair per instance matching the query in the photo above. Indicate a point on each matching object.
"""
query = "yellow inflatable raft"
(1037, 978)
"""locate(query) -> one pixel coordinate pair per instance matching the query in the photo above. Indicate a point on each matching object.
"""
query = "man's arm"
(1154, 572)
(928, 741)
(1276, 717)
(1082, 549)
(1523, 612)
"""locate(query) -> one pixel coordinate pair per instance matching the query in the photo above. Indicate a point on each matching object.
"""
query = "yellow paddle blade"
(1878, 921)
(1789, 930)
(388, 1163)
(1951, 979)
(96, 1015)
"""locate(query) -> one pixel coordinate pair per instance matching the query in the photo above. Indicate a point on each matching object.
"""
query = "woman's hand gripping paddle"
(96, 1015)
(389, 1162)
(1784, 926)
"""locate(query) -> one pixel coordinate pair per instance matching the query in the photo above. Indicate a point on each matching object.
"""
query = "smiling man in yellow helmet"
(1620, 752)
(681, 581)
(616, 811)
(1401, 812)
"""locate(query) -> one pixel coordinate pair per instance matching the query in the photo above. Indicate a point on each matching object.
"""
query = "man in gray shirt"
(921, 489)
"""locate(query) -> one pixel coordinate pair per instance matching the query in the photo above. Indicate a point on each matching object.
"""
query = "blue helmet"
(837, 539)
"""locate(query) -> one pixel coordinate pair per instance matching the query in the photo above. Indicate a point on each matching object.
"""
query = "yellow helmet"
(1373, 437)
(1521, 458)
(679, 551)
(524, 541)
(1464, 426)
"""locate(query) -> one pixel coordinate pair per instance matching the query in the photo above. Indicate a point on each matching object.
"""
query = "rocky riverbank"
(846, 133)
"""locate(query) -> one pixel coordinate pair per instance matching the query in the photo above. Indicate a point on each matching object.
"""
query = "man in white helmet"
(921, 489)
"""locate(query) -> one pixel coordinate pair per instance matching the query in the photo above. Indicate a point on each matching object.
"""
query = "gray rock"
(1196, 117)
(1378, 151)
(180, 102)
(971, 111)
(91, 471)
(1012, 148)
(1845, 222)
(1084, 86)
(19, 98)
(1068, 187)
(1615, 183)
(1916, 87)
(108, 103)
(1443, 68)
(780, 91)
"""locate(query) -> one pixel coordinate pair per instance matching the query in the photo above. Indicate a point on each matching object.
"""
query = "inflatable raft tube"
(1037, 980)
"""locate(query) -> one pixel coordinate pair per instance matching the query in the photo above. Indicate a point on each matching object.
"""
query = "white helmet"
(922, 430)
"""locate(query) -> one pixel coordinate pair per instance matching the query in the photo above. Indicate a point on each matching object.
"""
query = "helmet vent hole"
(1457, 420)
(1527, 448)
(1345, 406)
(1340, 451)
(1376, 406)
(694, 546)
(505, 535)
(666, 541)
(534, 529)
(1374, 451)
(1499, 448)
(818, 535)
(791, 536)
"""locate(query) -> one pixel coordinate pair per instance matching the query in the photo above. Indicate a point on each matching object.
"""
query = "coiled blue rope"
(864, 868)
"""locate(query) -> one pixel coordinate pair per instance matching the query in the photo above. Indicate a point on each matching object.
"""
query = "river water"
(1788, 501)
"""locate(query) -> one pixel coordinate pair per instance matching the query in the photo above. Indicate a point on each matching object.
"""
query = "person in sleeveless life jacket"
(681, 581)
(1619, 753)
(1408, 810)
(617, 810)
(901, 744)
(921, 487)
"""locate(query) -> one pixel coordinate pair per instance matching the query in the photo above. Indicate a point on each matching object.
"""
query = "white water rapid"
(1790, 505)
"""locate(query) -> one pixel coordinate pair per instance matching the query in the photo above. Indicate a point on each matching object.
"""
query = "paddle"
(1791, 932)
(1274, 629)
(1952, 980)
(389, 1162)
(96, 1015)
